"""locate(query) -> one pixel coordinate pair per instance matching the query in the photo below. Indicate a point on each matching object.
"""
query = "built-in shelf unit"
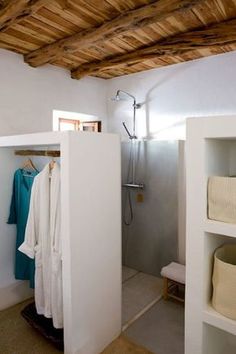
(211, 151)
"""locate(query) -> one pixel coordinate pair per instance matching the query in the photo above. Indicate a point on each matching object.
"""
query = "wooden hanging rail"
(50, 153)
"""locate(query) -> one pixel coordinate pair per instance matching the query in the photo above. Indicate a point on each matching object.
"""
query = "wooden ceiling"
(108, 38)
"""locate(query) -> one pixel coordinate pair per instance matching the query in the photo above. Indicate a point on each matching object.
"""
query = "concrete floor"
(161, 329)
(128, 273)
(139, 291)
(17, 337)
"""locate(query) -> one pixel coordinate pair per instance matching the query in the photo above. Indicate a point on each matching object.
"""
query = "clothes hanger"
(29, 164)
(51, 165)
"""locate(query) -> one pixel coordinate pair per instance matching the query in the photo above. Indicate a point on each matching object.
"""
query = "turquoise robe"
(22, 184)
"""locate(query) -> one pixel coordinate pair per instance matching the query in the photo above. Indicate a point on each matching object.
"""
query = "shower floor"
(140, 292)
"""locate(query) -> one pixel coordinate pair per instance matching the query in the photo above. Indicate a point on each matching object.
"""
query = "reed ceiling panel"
(109, 38)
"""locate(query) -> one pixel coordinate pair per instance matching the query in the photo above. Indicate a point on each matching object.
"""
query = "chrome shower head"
(123, 95)
(120, 96)
(116, 98)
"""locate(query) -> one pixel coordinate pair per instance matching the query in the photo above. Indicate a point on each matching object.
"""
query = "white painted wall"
(27, 99)
(169, 95)
(28, 96)
(203, 87)
(181, 203)
(94, 213)
(11, 291)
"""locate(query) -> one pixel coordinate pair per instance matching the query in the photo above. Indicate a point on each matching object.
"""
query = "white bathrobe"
(43, 242)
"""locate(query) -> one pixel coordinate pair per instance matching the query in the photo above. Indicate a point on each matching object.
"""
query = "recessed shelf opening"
(217, 341)
(211, 243)
(220, 157)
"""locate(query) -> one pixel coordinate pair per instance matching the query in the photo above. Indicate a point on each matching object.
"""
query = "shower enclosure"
(149, 199)
(151, 241)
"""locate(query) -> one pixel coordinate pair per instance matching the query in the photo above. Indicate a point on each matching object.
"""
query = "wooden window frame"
(79, 125)
(72, 121)
(96, 123)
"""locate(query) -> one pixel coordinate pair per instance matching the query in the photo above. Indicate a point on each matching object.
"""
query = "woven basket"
(224, 281)
(222, 199)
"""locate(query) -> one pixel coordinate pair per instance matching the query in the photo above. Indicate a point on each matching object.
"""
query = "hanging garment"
(43, 242)
(22, 184)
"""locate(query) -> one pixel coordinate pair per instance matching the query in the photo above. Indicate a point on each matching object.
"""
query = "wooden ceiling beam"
(213, 36)
(14, 11)
(128, 21)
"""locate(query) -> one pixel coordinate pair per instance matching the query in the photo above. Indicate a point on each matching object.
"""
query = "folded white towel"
(174, 271)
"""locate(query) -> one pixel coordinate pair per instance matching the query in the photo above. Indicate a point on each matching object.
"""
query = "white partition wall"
(181, 203)
(95, 234)
(211, 150)
(91, 232)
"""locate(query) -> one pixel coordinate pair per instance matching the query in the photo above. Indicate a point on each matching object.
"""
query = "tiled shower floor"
(140, 292)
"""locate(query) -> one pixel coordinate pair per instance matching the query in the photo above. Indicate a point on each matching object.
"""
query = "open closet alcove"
(91, 233)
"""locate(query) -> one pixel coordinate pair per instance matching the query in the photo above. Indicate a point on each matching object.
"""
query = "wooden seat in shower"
(174, 281)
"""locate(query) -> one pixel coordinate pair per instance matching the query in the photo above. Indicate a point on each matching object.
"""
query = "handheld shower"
(128, 132)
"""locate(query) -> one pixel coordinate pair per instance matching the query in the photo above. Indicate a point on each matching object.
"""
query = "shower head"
(120, 96)
(116, 98)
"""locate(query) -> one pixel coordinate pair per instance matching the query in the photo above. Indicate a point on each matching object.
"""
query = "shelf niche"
(220, 157)
(216, 341)
(211, 243)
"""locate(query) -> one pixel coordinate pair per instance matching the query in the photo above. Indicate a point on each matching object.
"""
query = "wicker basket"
(222, 199)
(224, 281)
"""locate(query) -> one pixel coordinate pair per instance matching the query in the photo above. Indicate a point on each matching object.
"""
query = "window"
(95, 126)
(74, 124)
(65, 120)
(68, 124)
